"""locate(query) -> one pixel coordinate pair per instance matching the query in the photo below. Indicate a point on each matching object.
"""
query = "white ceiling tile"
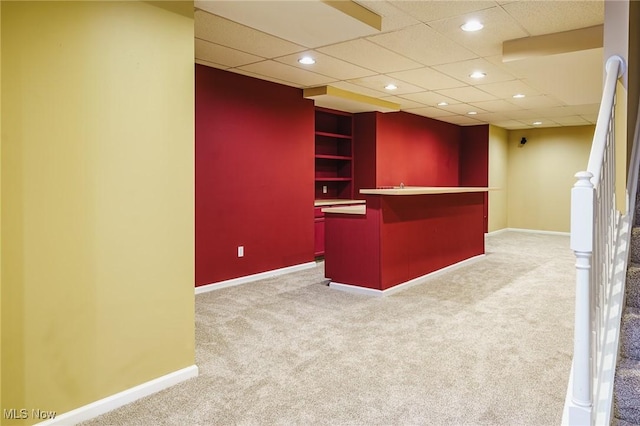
(369, 55)
(430, 98)
(304, 23)
(511, 124)
(423, 44)
(326, 65)
(467, 94)
(506, 89)
(540, 101)
(461, 120)
(392, 17)
(295, 75)
(215, 53)
(428, 78)
(498, 26)
(359, 89)
(211, 64)
(495, 106)
(571, 120)
(490, 117)
(378, 82)
(429, 112)
(461, 71)
(264, 77)
(427, 11)
(404, 103)
(546, 17)
(231, 34)
(461, 109)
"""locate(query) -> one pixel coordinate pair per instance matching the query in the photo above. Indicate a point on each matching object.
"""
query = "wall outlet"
(324, 189)
(240, 251)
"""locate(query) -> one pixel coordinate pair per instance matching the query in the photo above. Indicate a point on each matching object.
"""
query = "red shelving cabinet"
(334, 154)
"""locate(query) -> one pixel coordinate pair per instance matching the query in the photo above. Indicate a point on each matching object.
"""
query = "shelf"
(333, 157)
(333, 135)
(333, 179)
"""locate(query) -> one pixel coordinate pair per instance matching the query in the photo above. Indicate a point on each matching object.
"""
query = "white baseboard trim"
(402, 286)
(530, 231)
(119, 399)
(254, 277)
(499, 231)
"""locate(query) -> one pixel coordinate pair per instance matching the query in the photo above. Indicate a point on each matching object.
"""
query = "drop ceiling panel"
(460, 120)
(467, 94)
(495, 106)
(404, 103)
(392, 17)
(428, 11)
(378, 82)
(427, 78)
(510, 124)
(429, 112)
(231, 34)
(498, 26)
(540, 101)
(430, 98)
(295, 75)
(423, 44)
(369, 55)
(304, 23)
(462, 70)
(571, 120)
(359, 89)
(266, 78)
(327, 65)
(546, 17)
(211, 52)
(211, 64)
(506, 89)
(460, 108)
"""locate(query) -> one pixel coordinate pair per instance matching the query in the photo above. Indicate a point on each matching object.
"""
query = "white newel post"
(582, 224)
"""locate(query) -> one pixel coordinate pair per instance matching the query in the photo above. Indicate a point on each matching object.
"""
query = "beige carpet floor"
(485, 344)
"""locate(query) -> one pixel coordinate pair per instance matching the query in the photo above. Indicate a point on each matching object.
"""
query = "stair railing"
(594, 239)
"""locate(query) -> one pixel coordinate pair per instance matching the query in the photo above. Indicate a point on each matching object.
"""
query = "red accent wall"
(474, 161)
(253, 175)
(474, 156)
(416, 150)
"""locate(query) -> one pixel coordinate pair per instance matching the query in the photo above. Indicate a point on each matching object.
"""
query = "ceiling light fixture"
(470, 26)
(518, 96)
(391, 86)
(537, 123)
(477, 74)
(443, 103)
(472, 113)
(307, 60)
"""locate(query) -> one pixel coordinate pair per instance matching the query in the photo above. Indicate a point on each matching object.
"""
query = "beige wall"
(97, 199)
(498, 178)
(541, 175)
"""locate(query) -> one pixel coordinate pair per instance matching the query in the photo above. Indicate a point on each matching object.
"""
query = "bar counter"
(402, 235)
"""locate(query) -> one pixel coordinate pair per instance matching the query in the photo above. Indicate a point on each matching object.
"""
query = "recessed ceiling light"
(537, 123)
(307, 60)
(443, 103)
(518, 95)
(477, 74)
(472, 113)
(472, 26)
(391, 86)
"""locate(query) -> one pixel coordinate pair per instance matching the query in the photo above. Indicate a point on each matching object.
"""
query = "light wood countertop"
(424, 190)
(358, 209)
(336, 202)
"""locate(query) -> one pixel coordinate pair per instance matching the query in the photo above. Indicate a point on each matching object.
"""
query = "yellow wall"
(541, 175)
(498, 162)
(97, 199)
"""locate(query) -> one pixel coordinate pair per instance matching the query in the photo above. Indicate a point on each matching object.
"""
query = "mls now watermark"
(24, 414)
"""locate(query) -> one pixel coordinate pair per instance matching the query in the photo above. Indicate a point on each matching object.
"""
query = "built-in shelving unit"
(334, 154)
